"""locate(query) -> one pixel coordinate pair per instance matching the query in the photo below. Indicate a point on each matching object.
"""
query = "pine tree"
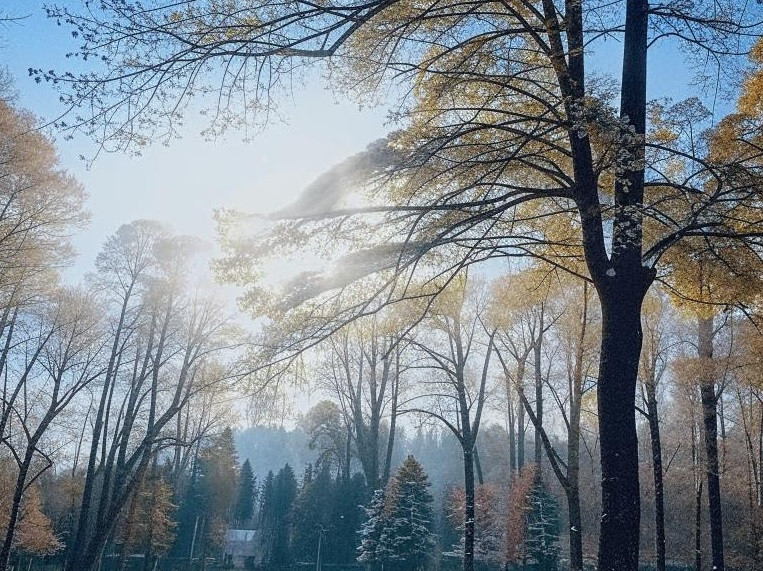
(406, 539)
(311, 511)
(346, 518)
(541, 543)
(244, 508)
(371, 531)
(278, 497)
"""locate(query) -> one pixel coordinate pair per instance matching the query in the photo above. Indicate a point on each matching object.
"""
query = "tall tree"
(398, 531)
(247, 483)
(169, 351)
(458, 354)
(66, 364)
(278, 497)
(528, 301)
(654, 360)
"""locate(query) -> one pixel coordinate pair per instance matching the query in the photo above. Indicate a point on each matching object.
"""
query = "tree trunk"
(478, 466)
(13, 516)
(576, 524)
(621, 339)
(710, 433)
(468, 510)
(520, 436)
(512, 431)
(697, 496)
(392, 421)
(537, 365)
(698, 526)
(659, 500)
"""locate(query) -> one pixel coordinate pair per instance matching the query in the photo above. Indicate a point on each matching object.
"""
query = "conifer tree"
(542, 526)
(369, 552)
(346, 518)
(311, 512)
(278, 497)
(407, 533)
(244, 509)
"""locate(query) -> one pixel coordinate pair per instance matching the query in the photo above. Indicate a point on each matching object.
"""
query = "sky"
(183, 183)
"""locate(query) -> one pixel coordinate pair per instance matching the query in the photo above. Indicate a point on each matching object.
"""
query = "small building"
(242, 548)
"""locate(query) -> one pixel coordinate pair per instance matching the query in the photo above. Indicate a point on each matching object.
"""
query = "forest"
(521, 330)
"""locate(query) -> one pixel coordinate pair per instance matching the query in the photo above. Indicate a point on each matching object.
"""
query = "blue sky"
(183, 183)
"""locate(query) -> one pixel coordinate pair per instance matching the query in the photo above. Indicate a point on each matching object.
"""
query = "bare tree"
(64, 365)
(457, 352)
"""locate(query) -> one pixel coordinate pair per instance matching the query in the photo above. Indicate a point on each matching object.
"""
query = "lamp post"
(318, 562)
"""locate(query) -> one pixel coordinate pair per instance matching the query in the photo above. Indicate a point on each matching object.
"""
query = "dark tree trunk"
(537, 366)
(621, 288)
(520, 436)
(392, 421)
(576, 524)
(618, 370)
(698, 526)
(512, 431)
(478, 466)
(659, 500)
(468, 510)
(710, 433)
(13, 516)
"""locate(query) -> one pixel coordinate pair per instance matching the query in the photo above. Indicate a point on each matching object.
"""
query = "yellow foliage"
(34, 530)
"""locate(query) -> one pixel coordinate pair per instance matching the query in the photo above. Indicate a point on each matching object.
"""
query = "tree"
(654, 361)
(370, 551)
(34, 533)
(149, 524)
(488, 528)
(506, 127)
(458, 354)
(311, 514)
(516, 515)
(534, 311)
(328, 434)
(64, 365)
(542, 526)
(244, 509)
(169, 353)
(279, 494)
(398, 529)
(216, 487)
(362, 367)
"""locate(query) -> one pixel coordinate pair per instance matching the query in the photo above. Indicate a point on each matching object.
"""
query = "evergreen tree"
(244, 509)
(267, 499)
(218, 476)
(311, 511)
(206, 497)
(541, 543)
(346, 518)
(398, 531)
(278, 497)
(369, 551)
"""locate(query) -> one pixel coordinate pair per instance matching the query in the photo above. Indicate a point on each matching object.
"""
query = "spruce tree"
(244, 509)
(346, 518)
(311, 511)
(406, 539)
(284, 493)
(371, 531)
(541, 543)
